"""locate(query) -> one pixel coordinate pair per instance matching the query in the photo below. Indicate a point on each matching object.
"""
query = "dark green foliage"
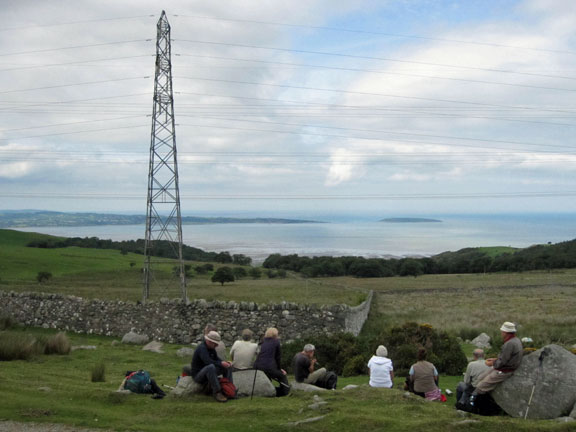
(223, 275)
(443, 350)
(204, 268)
(162, 248)
(239, 272)
(43, 276)
(241, 259)
(255, 273)
(355, 366)
(469, 260)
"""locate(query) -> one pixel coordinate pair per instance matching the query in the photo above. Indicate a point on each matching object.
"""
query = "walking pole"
(253, 383)
(543, 354)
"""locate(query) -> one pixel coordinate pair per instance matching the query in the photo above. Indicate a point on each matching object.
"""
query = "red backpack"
(228, 389)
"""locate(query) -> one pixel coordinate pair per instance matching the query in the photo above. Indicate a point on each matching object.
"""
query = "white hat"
(508, 327)
(213, 337)
(381, 351)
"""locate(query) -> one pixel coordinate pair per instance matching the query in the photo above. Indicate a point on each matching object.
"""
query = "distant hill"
(409, 220)
(36, 218)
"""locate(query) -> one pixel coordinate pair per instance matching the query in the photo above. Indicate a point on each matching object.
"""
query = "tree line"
(162, 248)
(469, 260)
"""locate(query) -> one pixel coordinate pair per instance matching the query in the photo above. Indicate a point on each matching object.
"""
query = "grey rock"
(308, 420)
(45, 389)
(317, 405)
(553, 380)
(573, 412)
(186, 387)
(83, 347)
(185, 352)
(154, 346)
(565, 419)
(481, 341)
(244, 380)
(350, 387)
(135, 338)
(307, 387)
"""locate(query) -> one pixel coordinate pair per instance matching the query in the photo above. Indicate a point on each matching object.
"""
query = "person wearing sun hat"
(206, 365)
(504, 366)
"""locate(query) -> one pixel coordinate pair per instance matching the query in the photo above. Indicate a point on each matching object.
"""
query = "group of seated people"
(209, 361)
(482, 376)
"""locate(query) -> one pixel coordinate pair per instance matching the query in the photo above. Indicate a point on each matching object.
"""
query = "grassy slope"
(73, 399)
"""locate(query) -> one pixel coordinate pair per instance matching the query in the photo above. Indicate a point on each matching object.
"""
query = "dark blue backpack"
(138, 382)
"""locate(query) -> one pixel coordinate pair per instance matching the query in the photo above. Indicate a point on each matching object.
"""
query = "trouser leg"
(210, 375)
(315, 376)
(490, 381)
(284, 388)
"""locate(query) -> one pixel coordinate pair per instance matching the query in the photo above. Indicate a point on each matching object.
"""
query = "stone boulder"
(552, 372)
(307, 387)
(244, 379)
(154, 346)
(481, 341)
(134, 338)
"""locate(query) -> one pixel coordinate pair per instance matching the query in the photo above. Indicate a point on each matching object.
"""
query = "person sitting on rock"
(475, 369)
(504, 366)
(304, 365)
(424, 378)
(206, 366)
(243, 351)
(268, 361)
(221, 348)
(381, 369)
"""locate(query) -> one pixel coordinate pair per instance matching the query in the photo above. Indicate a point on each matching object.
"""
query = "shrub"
(355, 366)
(98, 372)
(42, 276)
(57, 344)
(255, 273)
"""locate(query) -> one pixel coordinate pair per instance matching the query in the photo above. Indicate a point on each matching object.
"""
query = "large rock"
(154, 346)
(244, 380)
(481, 341)
(307, 387)
(134, 338)
(552, 372)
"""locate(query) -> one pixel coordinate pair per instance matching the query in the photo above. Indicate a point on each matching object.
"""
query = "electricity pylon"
(163, 218)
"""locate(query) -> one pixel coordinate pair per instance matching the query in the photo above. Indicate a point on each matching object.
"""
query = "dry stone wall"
(174, 321)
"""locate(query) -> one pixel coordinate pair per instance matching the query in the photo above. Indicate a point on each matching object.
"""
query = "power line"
(377, 58)
(339, 29)
(73, 133)
(75, 47)
(72, 85)
(73, 63)
(212, 197)
(74, 22)
(383, 72)
(379, 94)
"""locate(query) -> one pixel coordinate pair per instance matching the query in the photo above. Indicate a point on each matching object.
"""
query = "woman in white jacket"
(381, 369)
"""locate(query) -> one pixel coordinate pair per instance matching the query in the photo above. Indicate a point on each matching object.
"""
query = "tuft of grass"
(58, 344)
(14, 346)
(98, 372)
(7, 322)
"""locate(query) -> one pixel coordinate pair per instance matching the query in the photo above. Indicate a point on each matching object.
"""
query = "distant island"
(40, 218)
(408, 220)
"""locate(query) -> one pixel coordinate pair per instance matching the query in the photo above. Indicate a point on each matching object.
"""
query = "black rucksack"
(328, 382)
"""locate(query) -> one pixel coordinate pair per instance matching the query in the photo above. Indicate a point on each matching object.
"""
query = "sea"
(368, 238)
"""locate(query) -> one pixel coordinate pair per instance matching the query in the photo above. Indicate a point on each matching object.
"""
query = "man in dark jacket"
(504, 366)
(206, 365)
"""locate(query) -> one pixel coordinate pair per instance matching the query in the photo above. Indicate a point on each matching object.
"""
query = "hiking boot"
(220, 397)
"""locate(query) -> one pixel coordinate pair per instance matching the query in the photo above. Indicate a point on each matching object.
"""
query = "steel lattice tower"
(163, 218)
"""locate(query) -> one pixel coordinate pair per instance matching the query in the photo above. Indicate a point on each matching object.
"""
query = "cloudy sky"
(395, 107)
